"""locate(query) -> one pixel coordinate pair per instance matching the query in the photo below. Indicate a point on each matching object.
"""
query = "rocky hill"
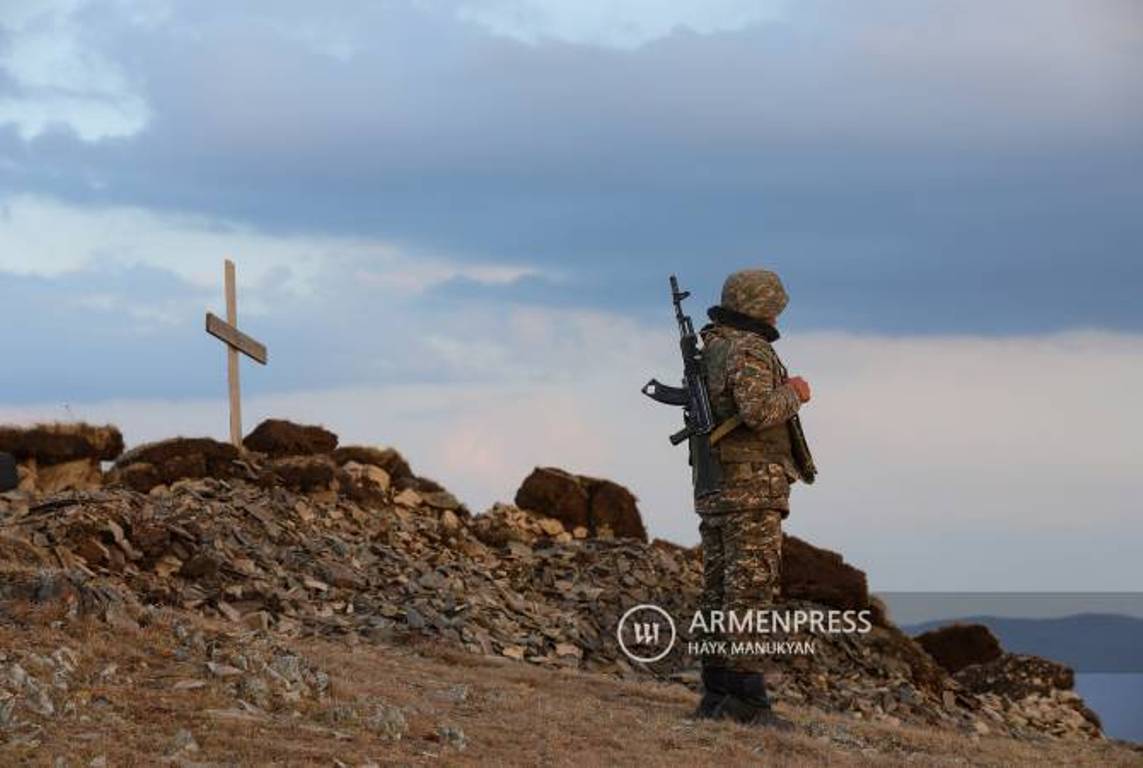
(296, 540)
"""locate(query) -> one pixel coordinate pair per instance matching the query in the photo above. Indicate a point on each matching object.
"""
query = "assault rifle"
(692, 397)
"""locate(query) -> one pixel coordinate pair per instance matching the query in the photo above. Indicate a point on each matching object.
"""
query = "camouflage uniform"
(741, 525)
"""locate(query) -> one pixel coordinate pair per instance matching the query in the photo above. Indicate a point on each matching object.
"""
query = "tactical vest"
(743, 446)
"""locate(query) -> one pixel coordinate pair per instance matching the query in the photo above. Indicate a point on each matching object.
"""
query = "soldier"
(760, 450)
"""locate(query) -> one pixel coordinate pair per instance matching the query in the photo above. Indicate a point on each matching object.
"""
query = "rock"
(183, 741)
(168, 461)
(555, 493)
(602, 507)
(52, 444)
(387, 459)
(387, 722)
(821, 576)
(550, 526)
(304, 474)
(255, 690)
(509, 582)
(441, 500)
(277, 437)
(958, 645)
(452, 736)
(449, 521)
(613, 507)
(139, 476)
(77, 475)
(408, 498)
(199, 566)
(222, 670)
(568, 650)
(27, 475)
(369, 478)
(1016, 676)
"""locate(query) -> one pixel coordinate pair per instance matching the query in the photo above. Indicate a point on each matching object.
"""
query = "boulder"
(314, 475)
(555, 493)
(821, 576)
(78, 475)
(505, 523)
(277, 437)
(601, 507)
(61, 443)
(960, 645)
(1015, 676)
(364, 482)
(162, 463)
(388, 459)
(613, 507)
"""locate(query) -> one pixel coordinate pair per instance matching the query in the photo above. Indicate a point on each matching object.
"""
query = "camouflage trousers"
(741, 558)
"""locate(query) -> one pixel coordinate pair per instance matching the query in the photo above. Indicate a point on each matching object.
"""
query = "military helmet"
(757, 293)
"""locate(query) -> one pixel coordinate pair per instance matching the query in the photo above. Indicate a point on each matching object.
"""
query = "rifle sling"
(725, 428)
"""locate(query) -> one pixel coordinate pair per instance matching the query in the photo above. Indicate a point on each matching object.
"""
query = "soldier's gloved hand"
(801, 388)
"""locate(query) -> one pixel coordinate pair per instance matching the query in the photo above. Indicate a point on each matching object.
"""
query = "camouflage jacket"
(746, 378)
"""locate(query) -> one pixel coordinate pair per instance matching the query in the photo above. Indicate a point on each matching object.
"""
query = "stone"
(278, 438)
(168, 461)
(1017, 676)
(550, 526)
(388, 722)
(255, 690)
(305, 474)
(508, 582)
(183, 741)
(78, 475)
(552, 492)
(603, 508)
(60, 443)
(222, 670)
(613, 507)
(957, 646)
(408, 498)
(452, 736)
(367, 475)
(449, 521)
(388, 459)
(821, 576)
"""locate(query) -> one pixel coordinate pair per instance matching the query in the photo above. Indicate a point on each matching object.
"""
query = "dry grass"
(511, 713)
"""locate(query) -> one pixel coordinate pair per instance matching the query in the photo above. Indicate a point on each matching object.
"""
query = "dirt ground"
(135, 699)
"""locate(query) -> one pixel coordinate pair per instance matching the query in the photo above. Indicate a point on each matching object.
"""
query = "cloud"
(58, 76)
(625, 25)
(43, 237)
(907, 168)
(954, 463)
(113, 300)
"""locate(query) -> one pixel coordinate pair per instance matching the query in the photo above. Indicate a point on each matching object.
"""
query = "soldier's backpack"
(9, 479)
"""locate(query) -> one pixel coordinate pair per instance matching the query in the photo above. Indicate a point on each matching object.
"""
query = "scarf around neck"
(729, 317)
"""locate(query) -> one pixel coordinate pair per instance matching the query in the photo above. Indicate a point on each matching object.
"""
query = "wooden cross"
(236, 341)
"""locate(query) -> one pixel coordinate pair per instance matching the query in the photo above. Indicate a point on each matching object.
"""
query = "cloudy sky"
(453, 222)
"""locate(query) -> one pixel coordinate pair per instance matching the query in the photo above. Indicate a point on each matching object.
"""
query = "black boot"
(715, 682)
(747, 702)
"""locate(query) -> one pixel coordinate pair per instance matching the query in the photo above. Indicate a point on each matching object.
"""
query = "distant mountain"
(1087, 642)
